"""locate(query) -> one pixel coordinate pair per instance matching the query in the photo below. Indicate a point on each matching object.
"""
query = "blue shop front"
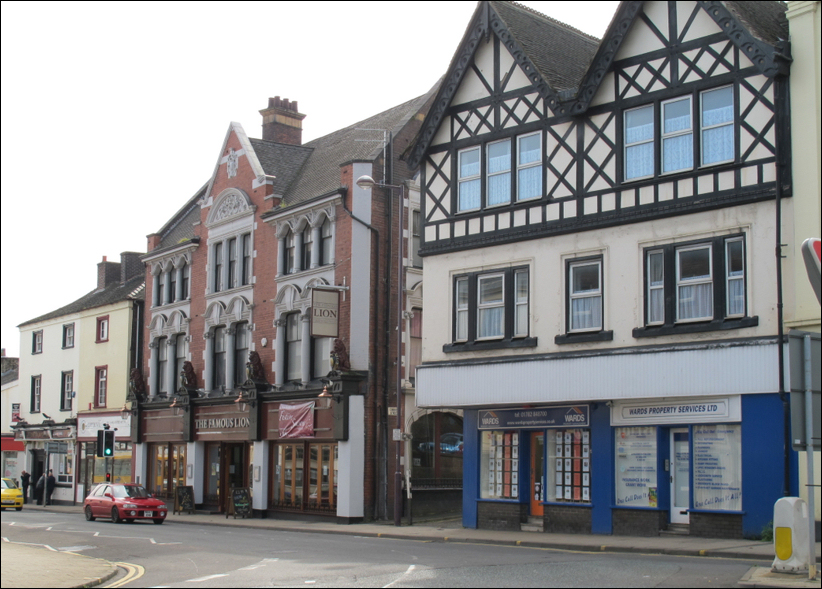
(708, 466)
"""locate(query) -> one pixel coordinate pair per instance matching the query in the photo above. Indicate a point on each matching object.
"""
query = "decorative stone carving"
(136, 385)
(254, 368)
(339, 357)
(231, 205)
(188, 378)
(233, 161)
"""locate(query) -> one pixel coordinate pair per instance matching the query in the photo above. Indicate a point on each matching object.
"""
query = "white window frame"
(37, 346)
(490, 305)
(469, 179)
(529, 165)
(689, 131)
(461, 314)
(68, 335)
(653, 287)
(36, 393)
(102, 329)
(67, 386)
(626, 145)
(703, 127)
(729, 278)
(498, 174)
(100, 386)
(584, 294)
(520, 324)
(680, 283)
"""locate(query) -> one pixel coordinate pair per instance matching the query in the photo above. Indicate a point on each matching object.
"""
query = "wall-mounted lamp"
(264, 341)
(328, 396)
(176, 407)
(243, 402)
(609, 403)
(125, 412)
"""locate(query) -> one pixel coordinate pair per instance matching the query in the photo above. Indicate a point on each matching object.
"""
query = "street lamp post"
(366, 182)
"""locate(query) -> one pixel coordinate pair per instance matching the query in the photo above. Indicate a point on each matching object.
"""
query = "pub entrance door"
(226, 468)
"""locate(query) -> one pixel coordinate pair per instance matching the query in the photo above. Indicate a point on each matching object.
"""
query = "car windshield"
(9, 484)
(130, 491)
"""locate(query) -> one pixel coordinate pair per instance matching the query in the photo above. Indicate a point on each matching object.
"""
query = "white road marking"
(401, 577)
(262, 563)
(208, 578)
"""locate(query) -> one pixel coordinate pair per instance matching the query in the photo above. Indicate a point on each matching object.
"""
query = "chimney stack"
(107, 273)
(131, 266)
(282, 122)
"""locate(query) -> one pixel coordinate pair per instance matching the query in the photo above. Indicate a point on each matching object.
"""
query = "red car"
(123, 503)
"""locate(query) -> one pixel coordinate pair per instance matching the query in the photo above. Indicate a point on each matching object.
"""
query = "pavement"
(60, 569)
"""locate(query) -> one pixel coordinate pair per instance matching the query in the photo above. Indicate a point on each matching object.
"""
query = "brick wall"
(561, 519)
(504, 517)
(716, 525)
(638, 522)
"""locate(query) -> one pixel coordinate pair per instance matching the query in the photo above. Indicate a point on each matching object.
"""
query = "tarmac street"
(57, 565)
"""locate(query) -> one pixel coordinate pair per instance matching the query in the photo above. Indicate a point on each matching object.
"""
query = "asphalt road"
(208, 556)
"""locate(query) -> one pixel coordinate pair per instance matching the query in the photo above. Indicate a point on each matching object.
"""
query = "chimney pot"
(282, 122)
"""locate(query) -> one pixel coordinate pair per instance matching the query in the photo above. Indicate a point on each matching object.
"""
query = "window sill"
(686, 328)
(580, 338)
(524, 342)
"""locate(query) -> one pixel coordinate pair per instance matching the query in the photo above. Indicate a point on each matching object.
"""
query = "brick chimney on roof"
(107, 273)
(282, 122)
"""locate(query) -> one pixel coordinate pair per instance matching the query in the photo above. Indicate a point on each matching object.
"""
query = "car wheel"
(89, 516)
(115, 516)
(159, 520)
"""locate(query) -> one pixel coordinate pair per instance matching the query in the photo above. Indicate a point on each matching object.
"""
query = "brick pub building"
(228, 395)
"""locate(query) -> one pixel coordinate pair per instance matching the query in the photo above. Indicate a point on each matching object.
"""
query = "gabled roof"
(567, 66)
(181, 225)
(281, 160)
(132, 289)
(320, 172)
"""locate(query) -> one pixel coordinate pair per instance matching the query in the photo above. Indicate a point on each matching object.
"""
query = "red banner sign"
(297, 420)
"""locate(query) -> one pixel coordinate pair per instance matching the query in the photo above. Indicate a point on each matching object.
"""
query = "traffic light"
(105, 443)
(108, 443)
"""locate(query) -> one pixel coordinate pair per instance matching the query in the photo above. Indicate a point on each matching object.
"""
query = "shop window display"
(569, 465)
(636, 467)
(717, 467)
(499, 475)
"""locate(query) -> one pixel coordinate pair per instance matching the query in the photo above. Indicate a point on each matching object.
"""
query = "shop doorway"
(226, 468)
(537, 473)
(680, 475)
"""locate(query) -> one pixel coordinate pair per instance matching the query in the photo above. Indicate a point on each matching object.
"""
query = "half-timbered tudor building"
(599, 221)
(271, 286)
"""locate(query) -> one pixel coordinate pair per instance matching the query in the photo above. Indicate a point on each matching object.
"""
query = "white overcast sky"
(114, 113)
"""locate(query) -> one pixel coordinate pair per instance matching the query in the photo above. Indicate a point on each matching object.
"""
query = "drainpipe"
(374, 332)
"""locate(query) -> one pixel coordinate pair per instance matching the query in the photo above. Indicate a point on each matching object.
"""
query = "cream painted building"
(802, 309)
(74, 370)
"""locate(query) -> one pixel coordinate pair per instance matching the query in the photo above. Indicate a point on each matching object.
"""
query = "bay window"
(529, 166)
(470, 186)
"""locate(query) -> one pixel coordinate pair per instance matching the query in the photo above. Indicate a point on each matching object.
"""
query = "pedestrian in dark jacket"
(40, 489)
(51, 482)
(25, 478)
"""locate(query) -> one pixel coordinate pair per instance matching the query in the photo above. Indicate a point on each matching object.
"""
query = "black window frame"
(509, 338)
(721, 320)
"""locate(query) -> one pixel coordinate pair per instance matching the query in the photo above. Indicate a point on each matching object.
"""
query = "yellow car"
(12, 495)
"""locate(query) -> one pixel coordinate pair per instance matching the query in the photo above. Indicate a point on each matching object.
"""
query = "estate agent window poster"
(636, 466)
(568, 457)
(499, 475)
(717, 464)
